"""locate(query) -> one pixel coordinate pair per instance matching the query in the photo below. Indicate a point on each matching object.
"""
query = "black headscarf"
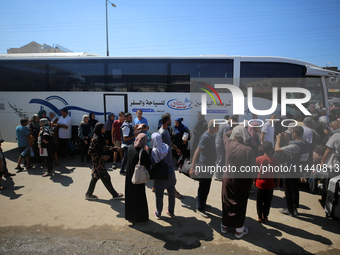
(99, 136)
(98, 131)
(92, 122)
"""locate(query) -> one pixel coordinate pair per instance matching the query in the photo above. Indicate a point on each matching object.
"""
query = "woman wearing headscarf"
(53, 117)
(42, 114)
(99, 151)
(92, 120)
(177, 133)
(136, 205)
(160, 151)
(85, 133)
(235, 187)
(35, 129)
(46, 140)
(108, 128)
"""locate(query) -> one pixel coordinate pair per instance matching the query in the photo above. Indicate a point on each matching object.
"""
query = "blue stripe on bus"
(57, 98)
(69, 107)
(45, 103)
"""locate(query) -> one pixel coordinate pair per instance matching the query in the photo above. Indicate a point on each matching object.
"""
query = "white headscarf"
(83, 119)
(54, 116)
(240, 131)
(159, 149)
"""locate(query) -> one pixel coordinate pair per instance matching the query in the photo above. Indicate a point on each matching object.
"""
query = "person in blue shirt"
(139, 121)
(24, 143)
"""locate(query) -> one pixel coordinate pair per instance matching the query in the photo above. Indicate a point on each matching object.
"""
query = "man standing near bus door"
(128, 135)
(64, 125)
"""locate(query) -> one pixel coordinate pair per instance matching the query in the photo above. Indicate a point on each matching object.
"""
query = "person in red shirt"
(265, 181)
(117, 138)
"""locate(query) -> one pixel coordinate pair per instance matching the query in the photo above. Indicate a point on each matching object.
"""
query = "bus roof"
(84, 54)
(312, 69)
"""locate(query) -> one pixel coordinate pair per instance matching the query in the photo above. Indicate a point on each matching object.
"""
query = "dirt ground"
(50, 216)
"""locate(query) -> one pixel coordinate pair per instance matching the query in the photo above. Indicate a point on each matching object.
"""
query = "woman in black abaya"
(136, 205)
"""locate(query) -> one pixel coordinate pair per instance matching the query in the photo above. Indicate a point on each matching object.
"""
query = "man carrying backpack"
(128, 135)
(298, 153)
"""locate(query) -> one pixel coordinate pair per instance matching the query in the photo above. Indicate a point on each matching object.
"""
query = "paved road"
(50, 216)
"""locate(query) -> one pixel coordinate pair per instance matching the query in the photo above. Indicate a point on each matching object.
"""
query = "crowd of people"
(307, 141)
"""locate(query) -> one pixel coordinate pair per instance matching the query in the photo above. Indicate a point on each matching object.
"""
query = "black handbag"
(159, 171)
(185, 168)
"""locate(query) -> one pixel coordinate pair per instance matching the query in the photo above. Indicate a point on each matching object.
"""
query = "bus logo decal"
(177, 104)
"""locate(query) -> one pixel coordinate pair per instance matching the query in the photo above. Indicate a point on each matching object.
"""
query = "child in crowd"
(265, 182)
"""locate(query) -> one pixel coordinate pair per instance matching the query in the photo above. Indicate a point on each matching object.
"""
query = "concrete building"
(331, 68)
(34, 47)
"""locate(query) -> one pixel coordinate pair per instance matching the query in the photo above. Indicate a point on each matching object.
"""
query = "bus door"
(115, 103)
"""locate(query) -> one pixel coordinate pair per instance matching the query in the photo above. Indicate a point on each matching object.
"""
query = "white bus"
(87, 83)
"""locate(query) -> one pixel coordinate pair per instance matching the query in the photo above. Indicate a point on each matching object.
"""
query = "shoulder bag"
(141, 175)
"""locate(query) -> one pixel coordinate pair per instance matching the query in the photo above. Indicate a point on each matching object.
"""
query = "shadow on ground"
(11, 189)
(183, 232)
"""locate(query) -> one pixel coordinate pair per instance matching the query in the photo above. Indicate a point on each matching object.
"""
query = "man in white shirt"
(267, 131)
(331, 157)
(64, 125)
(307, 131)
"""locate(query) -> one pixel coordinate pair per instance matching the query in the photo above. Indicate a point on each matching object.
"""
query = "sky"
(304, 30)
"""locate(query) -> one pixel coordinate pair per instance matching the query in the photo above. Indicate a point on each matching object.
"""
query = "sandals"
(240, 235)
(47, 174)
(19, 168)
(119, 196)
(172, 215)
(94, 197)
(223, 229)
(91, 197)
(158, 216)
